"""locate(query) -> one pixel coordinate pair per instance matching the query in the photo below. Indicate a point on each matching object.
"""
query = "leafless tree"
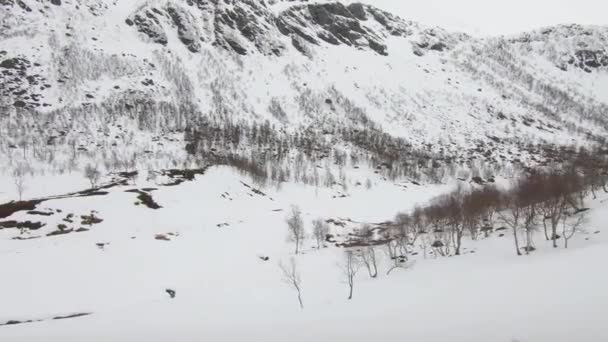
(368, 257)
(570, 225)
(530, 214)
(19, 174)
(91, 172)
(320, 231)
(554, 208)
(349, 267)
(401, 232)
(453, 206)
(511, 215)
(291, 277)
(295, 226)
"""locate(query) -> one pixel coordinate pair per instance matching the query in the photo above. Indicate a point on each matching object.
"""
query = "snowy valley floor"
(218, 228)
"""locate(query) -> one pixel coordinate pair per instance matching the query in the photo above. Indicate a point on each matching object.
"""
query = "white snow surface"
(225, 292)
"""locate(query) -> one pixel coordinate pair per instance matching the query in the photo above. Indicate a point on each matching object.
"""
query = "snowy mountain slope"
(213, 232)
(155, 66)
(150, 146)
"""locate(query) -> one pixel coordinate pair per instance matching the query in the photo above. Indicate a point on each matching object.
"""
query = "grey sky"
(492, 17)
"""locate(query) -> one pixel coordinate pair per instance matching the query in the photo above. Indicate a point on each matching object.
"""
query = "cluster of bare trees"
(550, 201)
(270, 153)
(297, 231)
(297, 234)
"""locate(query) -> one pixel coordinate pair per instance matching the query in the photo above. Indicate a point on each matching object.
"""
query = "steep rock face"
(148, 23)
(358, 25)
(242, 27)
(246, 27)
(187, 32)
(250, 26)
(333, 23)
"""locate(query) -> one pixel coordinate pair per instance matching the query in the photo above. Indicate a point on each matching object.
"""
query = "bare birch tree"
(291, 277)
(19, 174)
(570, 225)
(512, 215)
(350, 267)
(368, 257)
(320, 231)
(295, 226)
(91, 172)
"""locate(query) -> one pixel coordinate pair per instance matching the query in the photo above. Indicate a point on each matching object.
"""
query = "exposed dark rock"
(147, 23)
(439, 46)
(147, 200)
(337, 24)
(22, 225)
(15, 63)
(358, 11)
(161, 237)
(590, 59)
(180, 176)
(41, 213)
(60, 232)
(10, 208)
(186, 31)
(72, 315)
(90, 219)
(437, 244)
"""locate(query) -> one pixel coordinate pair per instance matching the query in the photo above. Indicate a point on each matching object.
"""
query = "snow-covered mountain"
(156, 154)
(83, 73)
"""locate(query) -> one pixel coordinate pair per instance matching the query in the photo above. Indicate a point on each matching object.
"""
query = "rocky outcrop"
(589, 60)
(186, 30)
(148, 22)
(245, 27)
(20, 84)
(249, 26)
(332, 23)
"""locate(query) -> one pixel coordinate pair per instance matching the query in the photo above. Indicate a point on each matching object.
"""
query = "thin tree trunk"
(554, 234)
(516, 241)
(546, 229)
(299, 296)
(373, 254)
(528, 240)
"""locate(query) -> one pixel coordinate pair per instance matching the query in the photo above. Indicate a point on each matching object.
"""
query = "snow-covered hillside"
(278, 170)
(218, 244)
(111, 77)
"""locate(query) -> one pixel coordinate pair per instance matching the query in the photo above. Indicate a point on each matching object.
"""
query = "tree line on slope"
(272, 155)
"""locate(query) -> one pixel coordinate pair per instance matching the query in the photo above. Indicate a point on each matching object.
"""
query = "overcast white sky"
(492, 17)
